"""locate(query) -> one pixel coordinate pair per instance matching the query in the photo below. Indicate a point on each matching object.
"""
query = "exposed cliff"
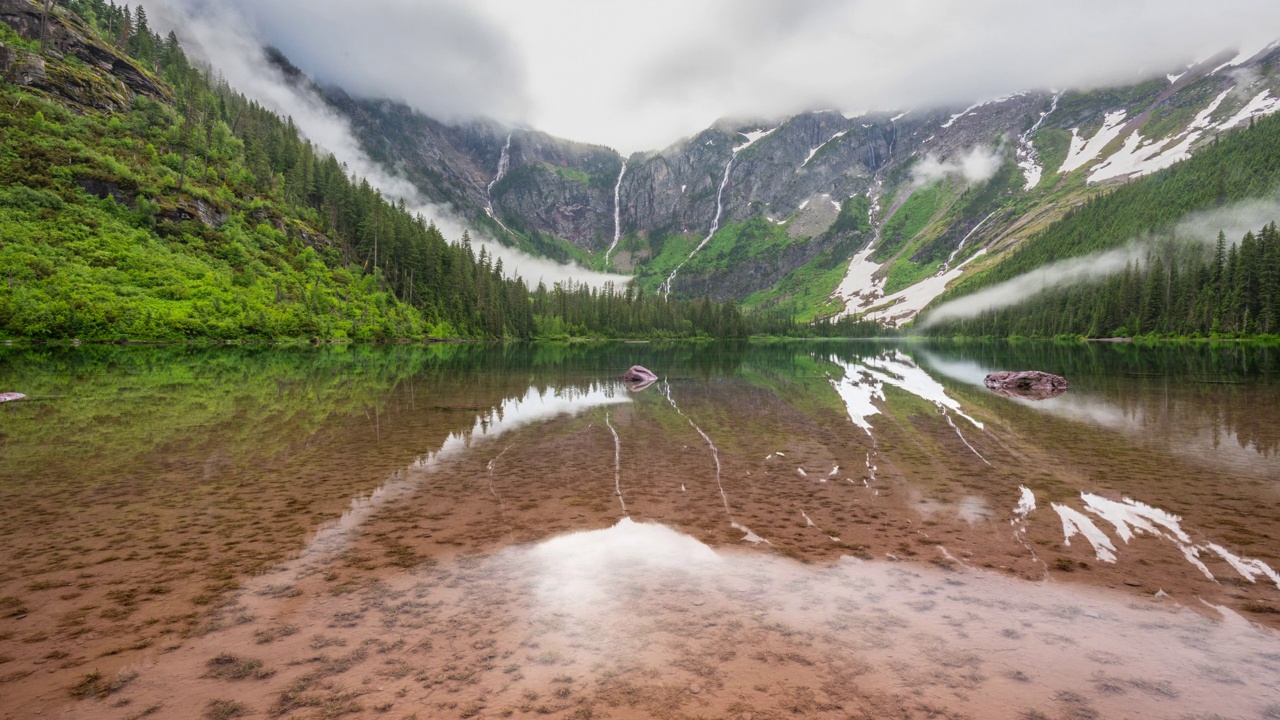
(94, 76)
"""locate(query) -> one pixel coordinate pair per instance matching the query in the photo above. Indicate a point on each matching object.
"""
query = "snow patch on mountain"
(1230, 63)
(1140, 156)
(1083, 152)
(1262, 104)
(860, 282)
(861, 289)
(905, 305)
(752, 138)
(818, 149)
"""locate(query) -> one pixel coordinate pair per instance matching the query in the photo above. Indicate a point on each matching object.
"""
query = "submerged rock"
(638, 378)
(1027, 384)
(6, 397)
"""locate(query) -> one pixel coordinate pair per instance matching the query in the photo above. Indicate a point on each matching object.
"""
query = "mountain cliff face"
(762, 211)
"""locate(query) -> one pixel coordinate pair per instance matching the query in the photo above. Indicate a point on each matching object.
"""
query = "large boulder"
(638, 378)
(6, 397)
(1027, 384)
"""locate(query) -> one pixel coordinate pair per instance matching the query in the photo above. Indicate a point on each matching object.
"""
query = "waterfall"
(947, 265)
(752, 139)
(1028, 158)
(665, 288)
(617, 215)
(504, 165)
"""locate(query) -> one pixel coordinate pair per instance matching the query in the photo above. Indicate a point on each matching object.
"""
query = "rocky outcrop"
(21, 67)
(1027, 384)
(109, 81)
(103, 189)
(560, 188)
(186, 209)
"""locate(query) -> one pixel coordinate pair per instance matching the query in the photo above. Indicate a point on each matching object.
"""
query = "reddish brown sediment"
(913, 591)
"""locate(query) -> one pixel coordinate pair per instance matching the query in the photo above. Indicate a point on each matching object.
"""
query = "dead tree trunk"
(46, 6)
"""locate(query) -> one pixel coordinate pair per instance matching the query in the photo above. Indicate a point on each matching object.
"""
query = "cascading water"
(665, 288)
(1028, 157)
(946, 266)
(617, 214)
(752, 139)
(504, 165)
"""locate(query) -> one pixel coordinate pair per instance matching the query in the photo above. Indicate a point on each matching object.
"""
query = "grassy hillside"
(136, 265)
(1241, 165)
(1178, 287)
(142, 199)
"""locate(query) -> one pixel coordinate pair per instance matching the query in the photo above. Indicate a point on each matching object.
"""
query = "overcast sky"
(640, 75)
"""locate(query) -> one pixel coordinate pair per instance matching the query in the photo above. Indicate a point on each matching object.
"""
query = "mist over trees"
(1178, 289)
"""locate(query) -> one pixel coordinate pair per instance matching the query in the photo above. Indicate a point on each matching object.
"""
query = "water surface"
(812, 529)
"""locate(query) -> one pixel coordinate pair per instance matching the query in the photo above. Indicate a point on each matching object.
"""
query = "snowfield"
(1141, 156)
(1261, 105)
(1083, 152)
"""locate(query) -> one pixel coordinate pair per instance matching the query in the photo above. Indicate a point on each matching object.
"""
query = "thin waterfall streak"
(715, 452)
(665, 288)
(946, 266)
(617, 465)
(1027, 155)
(961, 436)
(504, 165)
(617, 215)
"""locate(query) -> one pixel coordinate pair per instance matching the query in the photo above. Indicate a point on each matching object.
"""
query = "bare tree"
(47, 6)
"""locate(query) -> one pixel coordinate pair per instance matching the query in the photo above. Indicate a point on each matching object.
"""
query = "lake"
(822, 529)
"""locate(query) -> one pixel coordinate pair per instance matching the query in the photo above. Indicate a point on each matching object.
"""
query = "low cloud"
(638, 76)
(976, 167)
(1203, 228)
(1234, 220)
(440, 56)
(1044, 279)
(223, 37)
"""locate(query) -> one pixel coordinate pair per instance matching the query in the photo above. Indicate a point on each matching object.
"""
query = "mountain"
(144, 199)
(946, 192)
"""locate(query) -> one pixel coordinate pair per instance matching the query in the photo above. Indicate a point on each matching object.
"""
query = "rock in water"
(6, 397)
(1028, 384)
(638, 378)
